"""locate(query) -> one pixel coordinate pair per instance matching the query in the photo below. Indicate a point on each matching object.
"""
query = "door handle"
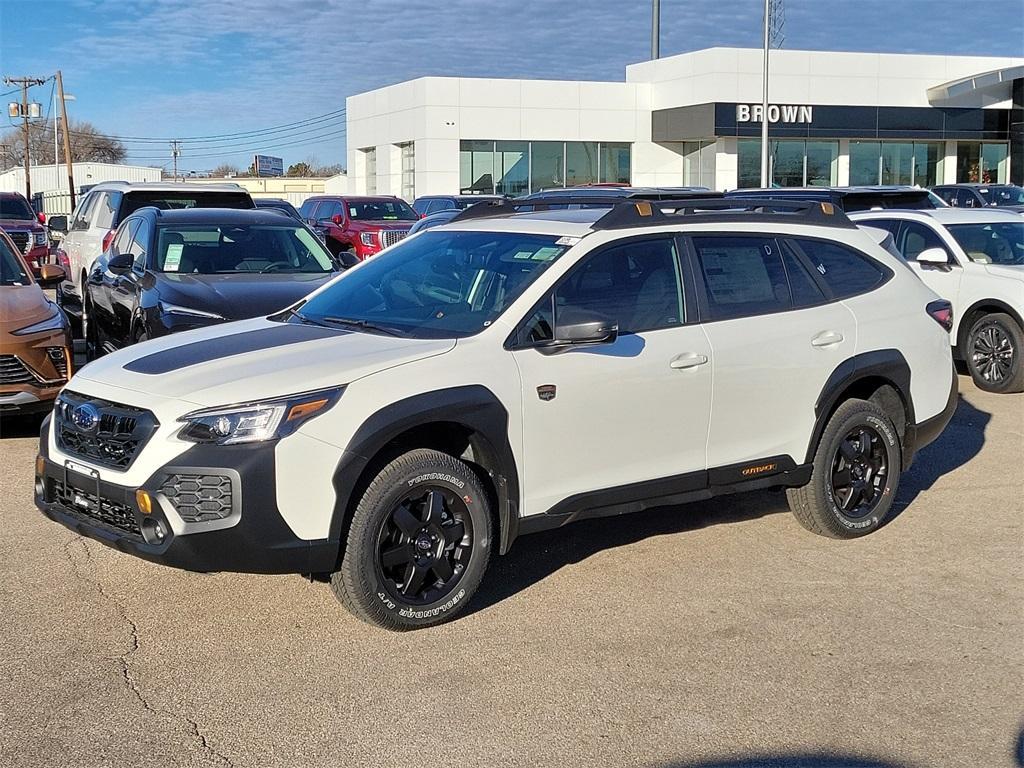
(827, 339)
(687, 360)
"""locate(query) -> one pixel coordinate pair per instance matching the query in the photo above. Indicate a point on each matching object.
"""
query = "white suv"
(507, 373)
(102, 209)
(975, 259)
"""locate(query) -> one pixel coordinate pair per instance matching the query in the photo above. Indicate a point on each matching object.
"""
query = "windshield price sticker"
(173, 258)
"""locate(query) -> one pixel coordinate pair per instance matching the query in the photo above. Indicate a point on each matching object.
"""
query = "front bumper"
(254, 538)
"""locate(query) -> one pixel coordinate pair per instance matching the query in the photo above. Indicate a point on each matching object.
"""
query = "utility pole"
(175, 151)
(25, 83)
(67, 140)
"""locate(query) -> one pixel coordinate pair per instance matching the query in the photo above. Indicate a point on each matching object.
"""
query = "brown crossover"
(35, 338)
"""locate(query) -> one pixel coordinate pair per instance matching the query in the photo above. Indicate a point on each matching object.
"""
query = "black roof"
(219, 216)
(973, 185)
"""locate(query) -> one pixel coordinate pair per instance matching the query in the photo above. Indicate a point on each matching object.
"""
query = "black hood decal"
(225, 346)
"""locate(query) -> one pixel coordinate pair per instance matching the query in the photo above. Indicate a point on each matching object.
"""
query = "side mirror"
(120, 263)
(337, 219)
(49, 274)
(932, 257)
(59, 223)
(584, 330)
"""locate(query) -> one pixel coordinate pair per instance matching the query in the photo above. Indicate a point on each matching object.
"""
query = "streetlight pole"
(764, 98)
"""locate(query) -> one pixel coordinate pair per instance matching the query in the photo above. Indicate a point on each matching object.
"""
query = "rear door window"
(306, 211)
(845, 271)
(140, 245)
(742, 276)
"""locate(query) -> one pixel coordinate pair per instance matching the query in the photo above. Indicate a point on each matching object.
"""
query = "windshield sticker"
(570, 241)
(547, 253)
(173, 257)
(523, 255)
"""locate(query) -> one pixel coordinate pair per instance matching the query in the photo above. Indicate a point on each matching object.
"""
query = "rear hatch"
(171, 200)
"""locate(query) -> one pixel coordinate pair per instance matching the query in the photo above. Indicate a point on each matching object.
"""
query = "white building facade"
(694, 120)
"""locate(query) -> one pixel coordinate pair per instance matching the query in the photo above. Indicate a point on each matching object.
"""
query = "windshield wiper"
(363, 325)
(294, 312)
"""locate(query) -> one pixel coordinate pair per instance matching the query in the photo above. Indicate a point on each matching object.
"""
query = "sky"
(160, 69)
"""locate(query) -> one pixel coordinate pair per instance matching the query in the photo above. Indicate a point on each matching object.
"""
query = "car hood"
(22, 305)
(238, 296)
(1006, 270)
(20, 225)
(382, 224)
(251, 360)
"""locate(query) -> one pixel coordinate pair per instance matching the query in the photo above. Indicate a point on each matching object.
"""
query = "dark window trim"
(512, 343)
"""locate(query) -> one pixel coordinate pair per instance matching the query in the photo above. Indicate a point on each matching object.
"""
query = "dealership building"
(695, 119)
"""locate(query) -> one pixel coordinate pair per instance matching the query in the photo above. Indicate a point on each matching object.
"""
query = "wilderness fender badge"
(546, 392)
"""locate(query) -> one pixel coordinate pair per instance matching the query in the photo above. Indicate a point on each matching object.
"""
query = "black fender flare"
(1002, 306)
(474, 407)
(887, 364)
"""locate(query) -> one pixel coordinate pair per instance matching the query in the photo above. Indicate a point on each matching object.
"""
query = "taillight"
(107, 238)
(942, 313)
(64, 261)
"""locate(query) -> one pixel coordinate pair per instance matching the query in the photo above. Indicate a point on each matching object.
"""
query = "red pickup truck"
(358, 226)
(25, 227)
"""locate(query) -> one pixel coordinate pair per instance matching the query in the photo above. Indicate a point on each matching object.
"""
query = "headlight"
(256, 422)
(367, 238)
(167, 308)
(53, 323)
(40, 238)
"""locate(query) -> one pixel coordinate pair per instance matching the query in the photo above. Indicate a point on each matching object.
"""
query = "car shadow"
(799, 760)
(537, 556)
(27, 425)
(960, 442)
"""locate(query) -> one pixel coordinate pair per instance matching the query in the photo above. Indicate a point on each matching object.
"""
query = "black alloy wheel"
(424, 545)
(860, 470)
(992, 353)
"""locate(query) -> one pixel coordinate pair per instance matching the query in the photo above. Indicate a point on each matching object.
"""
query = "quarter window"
(742, 276)
(844, 270)
(84, 211)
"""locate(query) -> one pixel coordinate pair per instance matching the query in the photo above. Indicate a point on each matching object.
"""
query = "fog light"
(144, 502)
(153, 531)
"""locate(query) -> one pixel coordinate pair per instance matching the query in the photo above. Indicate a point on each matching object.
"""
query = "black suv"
(851, 199)
(429, 204)
(1007, 196)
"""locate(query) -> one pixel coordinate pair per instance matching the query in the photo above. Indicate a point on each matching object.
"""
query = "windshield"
(209, 250)
(11, 270)
(993, 243)
(169, 201)
(382, 210)
(1008, 195)
(15, 208)
(439, 284)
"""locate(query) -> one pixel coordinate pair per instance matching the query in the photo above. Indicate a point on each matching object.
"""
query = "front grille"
(20, 239)
(389, 237)
(86, 504)
(114, 440)
(199, 497)
(13, 371)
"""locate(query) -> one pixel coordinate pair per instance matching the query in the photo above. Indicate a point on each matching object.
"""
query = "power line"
(256, 133)
(244, 150)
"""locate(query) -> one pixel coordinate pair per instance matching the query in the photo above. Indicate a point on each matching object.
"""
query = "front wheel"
(992, 351)
(418, 545)
(856, 472)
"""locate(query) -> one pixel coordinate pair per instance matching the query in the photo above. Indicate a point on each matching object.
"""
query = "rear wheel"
(992, 350)
(855, 475)
(418, 545)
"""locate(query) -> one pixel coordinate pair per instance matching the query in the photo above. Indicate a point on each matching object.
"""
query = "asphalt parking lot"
(717, 634)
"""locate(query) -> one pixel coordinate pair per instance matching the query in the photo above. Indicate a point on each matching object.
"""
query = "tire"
(404, 565)
(859, 445)
(994, 353)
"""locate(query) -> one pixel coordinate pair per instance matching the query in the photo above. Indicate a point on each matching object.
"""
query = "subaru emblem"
(85, 417)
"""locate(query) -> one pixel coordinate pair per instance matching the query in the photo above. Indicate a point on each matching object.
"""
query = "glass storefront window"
(476, 167)
(519, 167)
(408, 171)
(511, 167)
(748, 159)
(580, 163)
(547, 167)
(787, 163)
(615, 163)
(822, 164)
(982, 163)
(897, 163)
(864, 162)
(927, 164)
(371, 170)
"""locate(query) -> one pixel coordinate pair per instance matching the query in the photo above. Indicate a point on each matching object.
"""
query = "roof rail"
(638, 212)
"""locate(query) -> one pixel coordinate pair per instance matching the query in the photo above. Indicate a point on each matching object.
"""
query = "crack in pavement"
(126, 671)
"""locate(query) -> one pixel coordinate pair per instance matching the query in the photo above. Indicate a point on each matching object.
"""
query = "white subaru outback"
(510, 372)
(974, 257)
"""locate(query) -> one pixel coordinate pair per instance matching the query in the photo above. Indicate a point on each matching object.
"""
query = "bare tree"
(87, 144)
(224, 170)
